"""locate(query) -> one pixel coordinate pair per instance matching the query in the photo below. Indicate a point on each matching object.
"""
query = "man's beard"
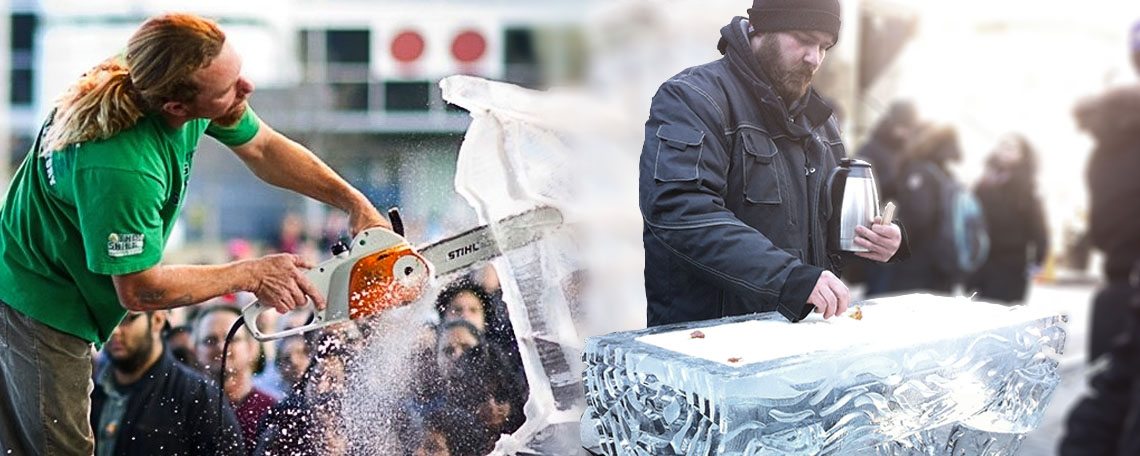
(232, 117)
(791, 83)
(135, 359)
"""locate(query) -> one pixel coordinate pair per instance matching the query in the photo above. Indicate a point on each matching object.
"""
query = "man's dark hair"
(465, 284)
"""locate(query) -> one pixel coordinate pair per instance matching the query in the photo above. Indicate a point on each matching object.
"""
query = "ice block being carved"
(915, 373)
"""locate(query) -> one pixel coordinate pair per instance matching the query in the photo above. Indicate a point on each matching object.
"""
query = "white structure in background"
(5, 110)
(258, 31)
(356, 81)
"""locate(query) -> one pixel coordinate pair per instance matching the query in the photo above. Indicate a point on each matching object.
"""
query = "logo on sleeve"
(121, 245)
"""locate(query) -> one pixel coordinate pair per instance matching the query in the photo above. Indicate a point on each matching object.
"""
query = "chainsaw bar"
(479, 244)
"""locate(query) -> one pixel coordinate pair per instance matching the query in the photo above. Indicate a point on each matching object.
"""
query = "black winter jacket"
(171, 410)
(732, 192)
(1114, 218)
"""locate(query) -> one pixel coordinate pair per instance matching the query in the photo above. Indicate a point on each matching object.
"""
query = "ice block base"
(917, 374)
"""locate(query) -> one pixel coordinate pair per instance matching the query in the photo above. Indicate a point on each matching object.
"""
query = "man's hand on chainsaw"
(366, 217)
(280, 282)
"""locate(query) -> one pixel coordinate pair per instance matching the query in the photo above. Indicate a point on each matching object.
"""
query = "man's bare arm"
(284, 163)
(277, 280)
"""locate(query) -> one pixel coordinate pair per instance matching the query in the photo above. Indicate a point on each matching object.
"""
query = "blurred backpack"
(962, 226)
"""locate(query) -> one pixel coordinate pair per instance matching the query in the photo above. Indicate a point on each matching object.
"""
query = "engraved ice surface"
(526, 149)
(918, 374)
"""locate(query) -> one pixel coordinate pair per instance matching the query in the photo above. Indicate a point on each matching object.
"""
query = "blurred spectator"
(291, 235)
(923, 176)
(141, 379)
(499, 330)
(290, 357)
(456, 339)
(308, 422)
(239, 249)
(483, 398)
(1134, 46)
(1015, 219)
(180, 343)
(466, 300)
(427, 385)
(1107, 419)
(886, 147)
(250, 403)
(292, 360)
(335, 230)
(885, 150)
(488, 278)
(1114, 216)
(433, 436)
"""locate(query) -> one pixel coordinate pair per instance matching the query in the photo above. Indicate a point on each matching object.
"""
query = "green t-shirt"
(77, 216)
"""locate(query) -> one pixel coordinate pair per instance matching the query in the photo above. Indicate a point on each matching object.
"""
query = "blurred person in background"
(250, 403)
(499, 329)
(180, 344)
(481, 395)
(291, 235)
(1015, 218)
(885, 150)
(438, 376)
(239, 249)
(433, 440)
(1114, 217)
(1107, 419)
(736, 153)
(333, 230)
(923, 176)
(89, 211)
(456, 339)
(292, 360)
(288, 360)
(465, 299)
(142, 377)
(308, 421)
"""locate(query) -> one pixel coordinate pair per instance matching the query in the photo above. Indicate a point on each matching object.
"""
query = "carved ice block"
(918, 373)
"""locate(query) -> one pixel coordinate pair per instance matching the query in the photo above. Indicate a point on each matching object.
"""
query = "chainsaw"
(380, 270)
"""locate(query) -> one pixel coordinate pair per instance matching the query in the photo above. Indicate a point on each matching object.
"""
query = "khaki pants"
(45, 389)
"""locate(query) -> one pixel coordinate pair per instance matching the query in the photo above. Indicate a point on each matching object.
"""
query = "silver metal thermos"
(854, 202)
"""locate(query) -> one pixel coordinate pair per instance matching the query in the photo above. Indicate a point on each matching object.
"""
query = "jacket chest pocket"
(678, 153)
(761, 176)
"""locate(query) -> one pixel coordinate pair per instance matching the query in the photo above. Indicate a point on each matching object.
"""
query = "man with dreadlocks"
(89, 211)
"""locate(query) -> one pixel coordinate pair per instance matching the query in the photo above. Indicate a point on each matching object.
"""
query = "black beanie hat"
(784, 15)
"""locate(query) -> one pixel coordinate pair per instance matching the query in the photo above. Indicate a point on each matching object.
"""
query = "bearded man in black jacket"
(147, 403)
(733, 174)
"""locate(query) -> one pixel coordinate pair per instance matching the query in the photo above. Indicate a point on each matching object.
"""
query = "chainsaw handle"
(396, 220)
(252, 311)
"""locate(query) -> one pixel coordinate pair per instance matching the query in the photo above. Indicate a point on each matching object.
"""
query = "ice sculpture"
(916, 374)
(526, 149)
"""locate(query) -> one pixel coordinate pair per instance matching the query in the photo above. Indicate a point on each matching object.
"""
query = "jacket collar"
(734, 45)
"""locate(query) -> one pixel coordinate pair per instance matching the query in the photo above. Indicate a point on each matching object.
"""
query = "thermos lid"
(859, 168)
(854, 163)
